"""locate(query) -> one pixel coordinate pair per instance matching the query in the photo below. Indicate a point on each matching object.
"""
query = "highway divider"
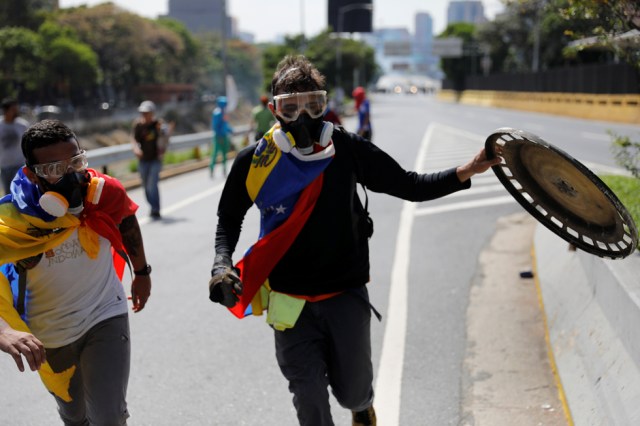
(592, 308)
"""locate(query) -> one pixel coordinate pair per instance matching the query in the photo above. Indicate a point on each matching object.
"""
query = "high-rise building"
(201, 15)
(471, 11)
(425, 62)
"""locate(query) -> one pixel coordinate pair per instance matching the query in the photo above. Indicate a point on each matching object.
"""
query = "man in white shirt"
(62, 304)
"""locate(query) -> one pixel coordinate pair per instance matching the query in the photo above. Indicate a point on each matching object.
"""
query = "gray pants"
(99, 384)
(330, 345)
(7, 174)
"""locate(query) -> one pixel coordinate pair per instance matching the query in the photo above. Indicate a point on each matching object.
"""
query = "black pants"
(330, 345)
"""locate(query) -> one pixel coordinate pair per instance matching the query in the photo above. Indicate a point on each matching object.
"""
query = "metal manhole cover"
(562, 193)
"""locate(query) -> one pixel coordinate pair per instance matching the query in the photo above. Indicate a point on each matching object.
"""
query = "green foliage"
(626, 153)
(21, 13)
(548, 26)
(627, 189)
(604, 19)
(456, 69)
(356, 57)
(21, 57)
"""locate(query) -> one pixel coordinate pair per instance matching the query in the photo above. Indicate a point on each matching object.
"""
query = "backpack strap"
(22, 289)
(360, 178)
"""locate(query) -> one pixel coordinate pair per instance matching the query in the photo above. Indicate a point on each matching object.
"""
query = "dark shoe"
(155, 215)
(364, 418)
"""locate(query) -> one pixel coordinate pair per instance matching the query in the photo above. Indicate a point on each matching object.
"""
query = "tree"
(22, 13)
(72, 66)
(606, 20)
(457, 69)
(21, 59)
(321, 50)
(131, 50)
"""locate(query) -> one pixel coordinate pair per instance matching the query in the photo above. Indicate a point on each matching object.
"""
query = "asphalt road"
(195, 364)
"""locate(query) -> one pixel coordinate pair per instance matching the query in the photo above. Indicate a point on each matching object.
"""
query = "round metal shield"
(562, 193)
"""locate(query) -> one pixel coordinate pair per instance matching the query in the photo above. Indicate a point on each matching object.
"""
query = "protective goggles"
(57, 169)
(290, 105)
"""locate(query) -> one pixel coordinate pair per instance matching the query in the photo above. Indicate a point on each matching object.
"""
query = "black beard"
(305, 131)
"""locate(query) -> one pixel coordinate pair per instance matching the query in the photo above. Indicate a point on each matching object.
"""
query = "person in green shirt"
(262, 119)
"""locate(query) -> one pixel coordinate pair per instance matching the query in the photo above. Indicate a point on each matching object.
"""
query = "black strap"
(22, 289)
(125, 256)
(359, 174)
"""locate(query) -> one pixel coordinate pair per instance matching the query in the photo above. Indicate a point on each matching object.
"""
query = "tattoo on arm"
(131, 236)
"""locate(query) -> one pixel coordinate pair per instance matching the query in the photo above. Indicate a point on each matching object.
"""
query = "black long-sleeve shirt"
(330, 254)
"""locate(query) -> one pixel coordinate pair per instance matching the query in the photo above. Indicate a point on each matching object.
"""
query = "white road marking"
(186, 202)
(595, 136)
(389, 378)
(389, 375)
(475, 190)
(464, 205)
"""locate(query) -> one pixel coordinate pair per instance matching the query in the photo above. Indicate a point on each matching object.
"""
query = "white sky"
(267, 19)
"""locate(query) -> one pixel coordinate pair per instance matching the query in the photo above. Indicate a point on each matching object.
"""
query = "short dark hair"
(44, 133)
(8, 103)
(295, 73)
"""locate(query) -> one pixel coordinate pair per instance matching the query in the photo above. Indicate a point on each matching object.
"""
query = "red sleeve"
(114, 200)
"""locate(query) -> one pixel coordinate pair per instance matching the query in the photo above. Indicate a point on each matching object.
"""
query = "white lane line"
(606, 170)
(389, 381)
(184, 203)
(475, 190)
(595, 136)
(464, 205)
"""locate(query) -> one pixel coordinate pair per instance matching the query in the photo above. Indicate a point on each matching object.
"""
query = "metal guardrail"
(101, 157)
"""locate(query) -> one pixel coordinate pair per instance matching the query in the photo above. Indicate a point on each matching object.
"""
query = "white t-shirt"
(10, 138)
(68, 293)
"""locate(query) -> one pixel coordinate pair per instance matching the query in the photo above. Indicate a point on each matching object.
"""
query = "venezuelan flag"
(285, 187)
(26, 230)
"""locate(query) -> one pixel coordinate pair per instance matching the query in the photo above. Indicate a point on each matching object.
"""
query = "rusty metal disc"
(562, 193)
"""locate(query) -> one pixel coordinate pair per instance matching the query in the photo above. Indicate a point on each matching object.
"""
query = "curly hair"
(295, 74)
(44, 133)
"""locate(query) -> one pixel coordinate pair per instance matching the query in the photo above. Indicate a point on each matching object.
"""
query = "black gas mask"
(71, 186)
(305, 131)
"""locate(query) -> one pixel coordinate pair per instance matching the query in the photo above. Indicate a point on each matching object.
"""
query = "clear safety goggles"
(290, 105)
(57, 169)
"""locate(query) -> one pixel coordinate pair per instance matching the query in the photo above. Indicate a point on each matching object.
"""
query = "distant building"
(393, 49)
(471, 11)
(201, 16)
(425, 62)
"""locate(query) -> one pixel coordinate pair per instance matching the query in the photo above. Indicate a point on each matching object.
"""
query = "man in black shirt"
(312, 258)
(149, 142)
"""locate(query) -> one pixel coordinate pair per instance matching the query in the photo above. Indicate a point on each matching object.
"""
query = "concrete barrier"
(592, 307)
(617, 108)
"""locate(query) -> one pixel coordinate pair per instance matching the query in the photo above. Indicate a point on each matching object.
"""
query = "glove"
(225, 285)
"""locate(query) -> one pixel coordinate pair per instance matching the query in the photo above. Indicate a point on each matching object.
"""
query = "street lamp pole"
(341, 11)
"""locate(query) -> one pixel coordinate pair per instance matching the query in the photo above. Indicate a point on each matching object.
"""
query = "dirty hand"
(478, 164)
(225, 285)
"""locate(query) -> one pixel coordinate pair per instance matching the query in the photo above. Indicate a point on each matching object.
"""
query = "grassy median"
(627, 189)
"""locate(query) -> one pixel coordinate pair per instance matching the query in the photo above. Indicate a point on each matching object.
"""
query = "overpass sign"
(450, 47)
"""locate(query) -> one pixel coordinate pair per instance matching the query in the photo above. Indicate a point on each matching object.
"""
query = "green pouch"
(284, 310)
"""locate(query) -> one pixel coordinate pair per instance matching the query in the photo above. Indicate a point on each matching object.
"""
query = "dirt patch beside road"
(508, 375)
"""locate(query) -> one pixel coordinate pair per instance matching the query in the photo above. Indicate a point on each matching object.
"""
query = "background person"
(330, 114)
(261, 118)
(313, 247)
(363, 108)
(149, 141)
(12, 126)
(58, 275)
(221, 132)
